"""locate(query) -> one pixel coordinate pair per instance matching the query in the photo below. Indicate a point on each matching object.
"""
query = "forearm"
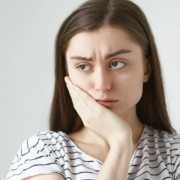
(117, 162)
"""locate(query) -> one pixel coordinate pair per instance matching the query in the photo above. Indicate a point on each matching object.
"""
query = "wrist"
(124, 144)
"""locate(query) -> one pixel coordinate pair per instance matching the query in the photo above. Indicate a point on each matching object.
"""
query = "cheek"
(79, 81)
(130, 88)
(73, 75)
(135, 91)
(79, 78)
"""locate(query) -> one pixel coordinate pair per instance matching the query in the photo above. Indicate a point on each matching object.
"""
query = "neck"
(89, 137)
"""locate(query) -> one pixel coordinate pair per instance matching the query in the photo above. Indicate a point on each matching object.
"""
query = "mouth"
(107, 103)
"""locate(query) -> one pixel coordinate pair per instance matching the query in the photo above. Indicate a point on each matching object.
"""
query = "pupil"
(82, 66)
(114, 63)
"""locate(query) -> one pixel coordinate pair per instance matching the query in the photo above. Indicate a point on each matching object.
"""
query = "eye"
(116, 62)
(83, 66)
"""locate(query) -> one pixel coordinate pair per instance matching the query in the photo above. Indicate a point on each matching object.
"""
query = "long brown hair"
(90, 16)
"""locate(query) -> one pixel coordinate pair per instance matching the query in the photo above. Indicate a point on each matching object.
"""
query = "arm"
(109, 126)
(117, 162)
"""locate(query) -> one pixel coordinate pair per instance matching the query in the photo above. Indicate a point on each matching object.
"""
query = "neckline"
(94, 159)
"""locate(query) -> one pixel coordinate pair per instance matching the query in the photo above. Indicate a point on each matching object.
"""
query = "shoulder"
(161, 135)
(38, 154)
(167, 145)
(163, 139)
(41, 142)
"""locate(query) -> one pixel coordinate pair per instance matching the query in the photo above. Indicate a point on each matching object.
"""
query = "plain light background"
(27, 35)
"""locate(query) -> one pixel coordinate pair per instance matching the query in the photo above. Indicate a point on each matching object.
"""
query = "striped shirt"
(157, 156)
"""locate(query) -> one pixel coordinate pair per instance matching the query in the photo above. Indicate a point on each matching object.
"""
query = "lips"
(106, 100)
(107, 103)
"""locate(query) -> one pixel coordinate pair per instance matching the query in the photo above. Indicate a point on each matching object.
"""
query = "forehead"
(103, 40)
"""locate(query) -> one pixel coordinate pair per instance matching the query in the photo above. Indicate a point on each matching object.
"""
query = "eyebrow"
(121, 51)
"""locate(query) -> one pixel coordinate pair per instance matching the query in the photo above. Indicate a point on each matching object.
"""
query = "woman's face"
(119, 76)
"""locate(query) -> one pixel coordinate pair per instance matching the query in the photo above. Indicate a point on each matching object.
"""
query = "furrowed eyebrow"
(121, 51)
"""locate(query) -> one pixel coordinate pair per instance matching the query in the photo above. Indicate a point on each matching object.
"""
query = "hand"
(96, 117)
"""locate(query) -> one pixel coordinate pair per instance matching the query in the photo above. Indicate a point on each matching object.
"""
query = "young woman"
(108, 117)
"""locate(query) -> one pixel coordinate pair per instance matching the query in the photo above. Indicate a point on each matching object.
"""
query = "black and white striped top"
(157, 156)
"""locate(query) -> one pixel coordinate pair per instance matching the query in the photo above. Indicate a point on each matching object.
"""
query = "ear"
(147, 69)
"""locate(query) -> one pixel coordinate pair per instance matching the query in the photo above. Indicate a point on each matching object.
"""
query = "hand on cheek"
(96, 117)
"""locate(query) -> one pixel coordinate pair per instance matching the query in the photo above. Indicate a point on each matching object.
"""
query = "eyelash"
(78, 67)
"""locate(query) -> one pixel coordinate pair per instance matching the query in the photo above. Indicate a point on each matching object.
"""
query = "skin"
(122, 81)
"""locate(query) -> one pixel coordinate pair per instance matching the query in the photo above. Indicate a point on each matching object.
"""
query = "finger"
(88, 99)
(85, 110)
(78, 106)
(93, 105)
(81, 96)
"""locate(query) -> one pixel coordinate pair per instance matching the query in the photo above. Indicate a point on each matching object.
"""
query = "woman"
(108, 117)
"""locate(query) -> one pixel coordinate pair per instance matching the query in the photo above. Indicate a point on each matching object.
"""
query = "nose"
(102, 80)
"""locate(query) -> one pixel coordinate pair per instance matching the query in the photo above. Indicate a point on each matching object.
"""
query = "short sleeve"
(34, 157)
(176, 158)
